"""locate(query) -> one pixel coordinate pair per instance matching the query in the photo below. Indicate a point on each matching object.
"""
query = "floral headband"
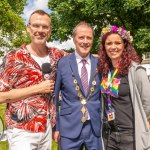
(122, 32)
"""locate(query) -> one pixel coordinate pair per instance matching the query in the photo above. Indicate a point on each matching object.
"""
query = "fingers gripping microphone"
(46, 73)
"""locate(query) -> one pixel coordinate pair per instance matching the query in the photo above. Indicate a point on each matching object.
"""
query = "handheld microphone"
(46, 73)
(46, 70)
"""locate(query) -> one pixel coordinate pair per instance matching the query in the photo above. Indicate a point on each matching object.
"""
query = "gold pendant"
(83, 119)
(83, 110)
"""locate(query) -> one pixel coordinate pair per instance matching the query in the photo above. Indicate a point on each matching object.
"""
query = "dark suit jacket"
(69, 116)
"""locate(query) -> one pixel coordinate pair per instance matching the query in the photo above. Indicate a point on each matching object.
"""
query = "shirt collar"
(79, 58)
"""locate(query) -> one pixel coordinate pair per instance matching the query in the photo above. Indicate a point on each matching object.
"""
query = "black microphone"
(46, 70)
(46, 73)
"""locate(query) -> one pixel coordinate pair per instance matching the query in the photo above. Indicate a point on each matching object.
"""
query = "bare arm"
(46, 86)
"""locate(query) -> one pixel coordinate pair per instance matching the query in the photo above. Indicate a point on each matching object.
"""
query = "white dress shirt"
(80, 64)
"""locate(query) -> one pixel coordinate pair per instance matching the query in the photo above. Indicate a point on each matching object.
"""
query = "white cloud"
(34, 5)
(64, 45)
(40, 4)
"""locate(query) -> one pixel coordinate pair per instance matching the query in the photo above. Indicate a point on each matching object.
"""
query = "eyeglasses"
(37, 26)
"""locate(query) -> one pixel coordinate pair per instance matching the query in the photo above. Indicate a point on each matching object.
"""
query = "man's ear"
(73, 38)
(50, 31)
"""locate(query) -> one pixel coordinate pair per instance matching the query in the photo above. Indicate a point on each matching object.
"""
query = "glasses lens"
(37, 26)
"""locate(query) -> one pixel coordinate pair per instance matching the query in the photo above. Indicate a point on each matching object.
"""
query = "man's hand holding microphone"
(46, 86)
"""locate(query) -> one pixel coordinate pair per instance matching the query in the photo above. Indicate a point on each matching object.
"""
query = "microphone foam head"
(46, 68)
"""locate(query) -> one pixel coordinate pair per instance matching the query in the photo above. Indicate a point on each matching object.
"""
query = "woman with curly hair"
(125, 92)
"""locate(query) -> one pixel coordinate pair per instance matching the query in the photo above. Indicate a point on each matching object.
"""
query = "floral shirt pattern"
(20, 70)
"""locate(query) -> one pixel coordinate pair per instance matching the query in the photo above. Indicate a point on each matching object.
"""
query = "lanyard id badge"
(110, 114)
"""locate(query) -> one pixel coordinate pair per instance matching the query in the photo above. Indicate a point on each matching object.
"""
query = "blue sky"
(43, 4)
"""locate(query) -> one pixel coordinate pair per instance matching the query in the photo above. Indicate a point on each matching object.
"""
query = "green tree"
(12, 29)
(131, 14)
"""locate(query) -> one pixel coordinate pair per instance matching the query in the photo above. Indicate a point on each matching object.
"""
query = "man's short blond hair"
(83, 23)
(40, 12)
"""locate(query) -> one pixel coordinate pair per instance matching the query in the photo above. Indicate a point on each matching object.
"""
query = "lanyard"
(110, 79)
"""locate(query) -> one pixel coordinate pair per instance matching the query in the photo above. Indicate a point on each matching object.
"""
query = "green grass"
(4, 145)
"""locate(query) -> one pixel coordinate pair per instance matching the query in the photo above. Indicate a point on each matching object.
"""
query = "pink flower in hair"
(122, 31)
(114, 28)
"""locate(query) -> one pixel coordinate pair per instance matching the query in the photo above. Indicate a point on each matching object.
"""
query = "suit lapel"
(74, 68)
(93, 69)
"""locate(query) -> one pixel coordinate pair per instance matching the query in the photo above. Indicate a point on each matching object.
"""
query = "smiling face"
(114, 46)
(39, 28)
(83, 39)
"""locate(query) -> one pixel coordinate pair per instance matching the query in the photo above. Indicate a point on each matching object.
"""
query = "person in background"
(125, 92)
(30, 112)
(78, 120)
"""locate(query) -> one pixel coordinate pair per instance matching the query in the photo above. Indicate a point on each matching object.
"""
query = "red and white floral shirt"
(20, 70)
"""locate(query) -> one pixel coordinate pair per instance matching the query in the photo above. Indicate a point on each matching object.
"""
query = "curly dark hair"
(129, 54)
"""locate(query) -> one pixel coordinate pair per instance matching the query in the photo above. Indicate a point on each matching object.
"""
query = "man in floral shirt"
(23, 89)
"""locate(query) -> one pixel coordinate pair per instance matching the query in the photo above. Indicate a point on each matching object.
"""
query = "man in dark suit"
(78, 119)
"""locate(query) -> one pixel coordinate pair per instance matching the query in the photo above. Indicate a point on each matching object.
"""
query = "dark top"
(124, 116)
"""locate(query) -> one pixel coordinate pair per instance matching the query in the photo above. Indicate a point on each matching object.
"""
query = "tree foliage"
(133, 15)
(12, 29)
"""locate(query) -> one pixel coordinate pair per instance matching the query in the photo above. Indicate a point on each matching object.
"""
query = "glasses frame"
(36, 26)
